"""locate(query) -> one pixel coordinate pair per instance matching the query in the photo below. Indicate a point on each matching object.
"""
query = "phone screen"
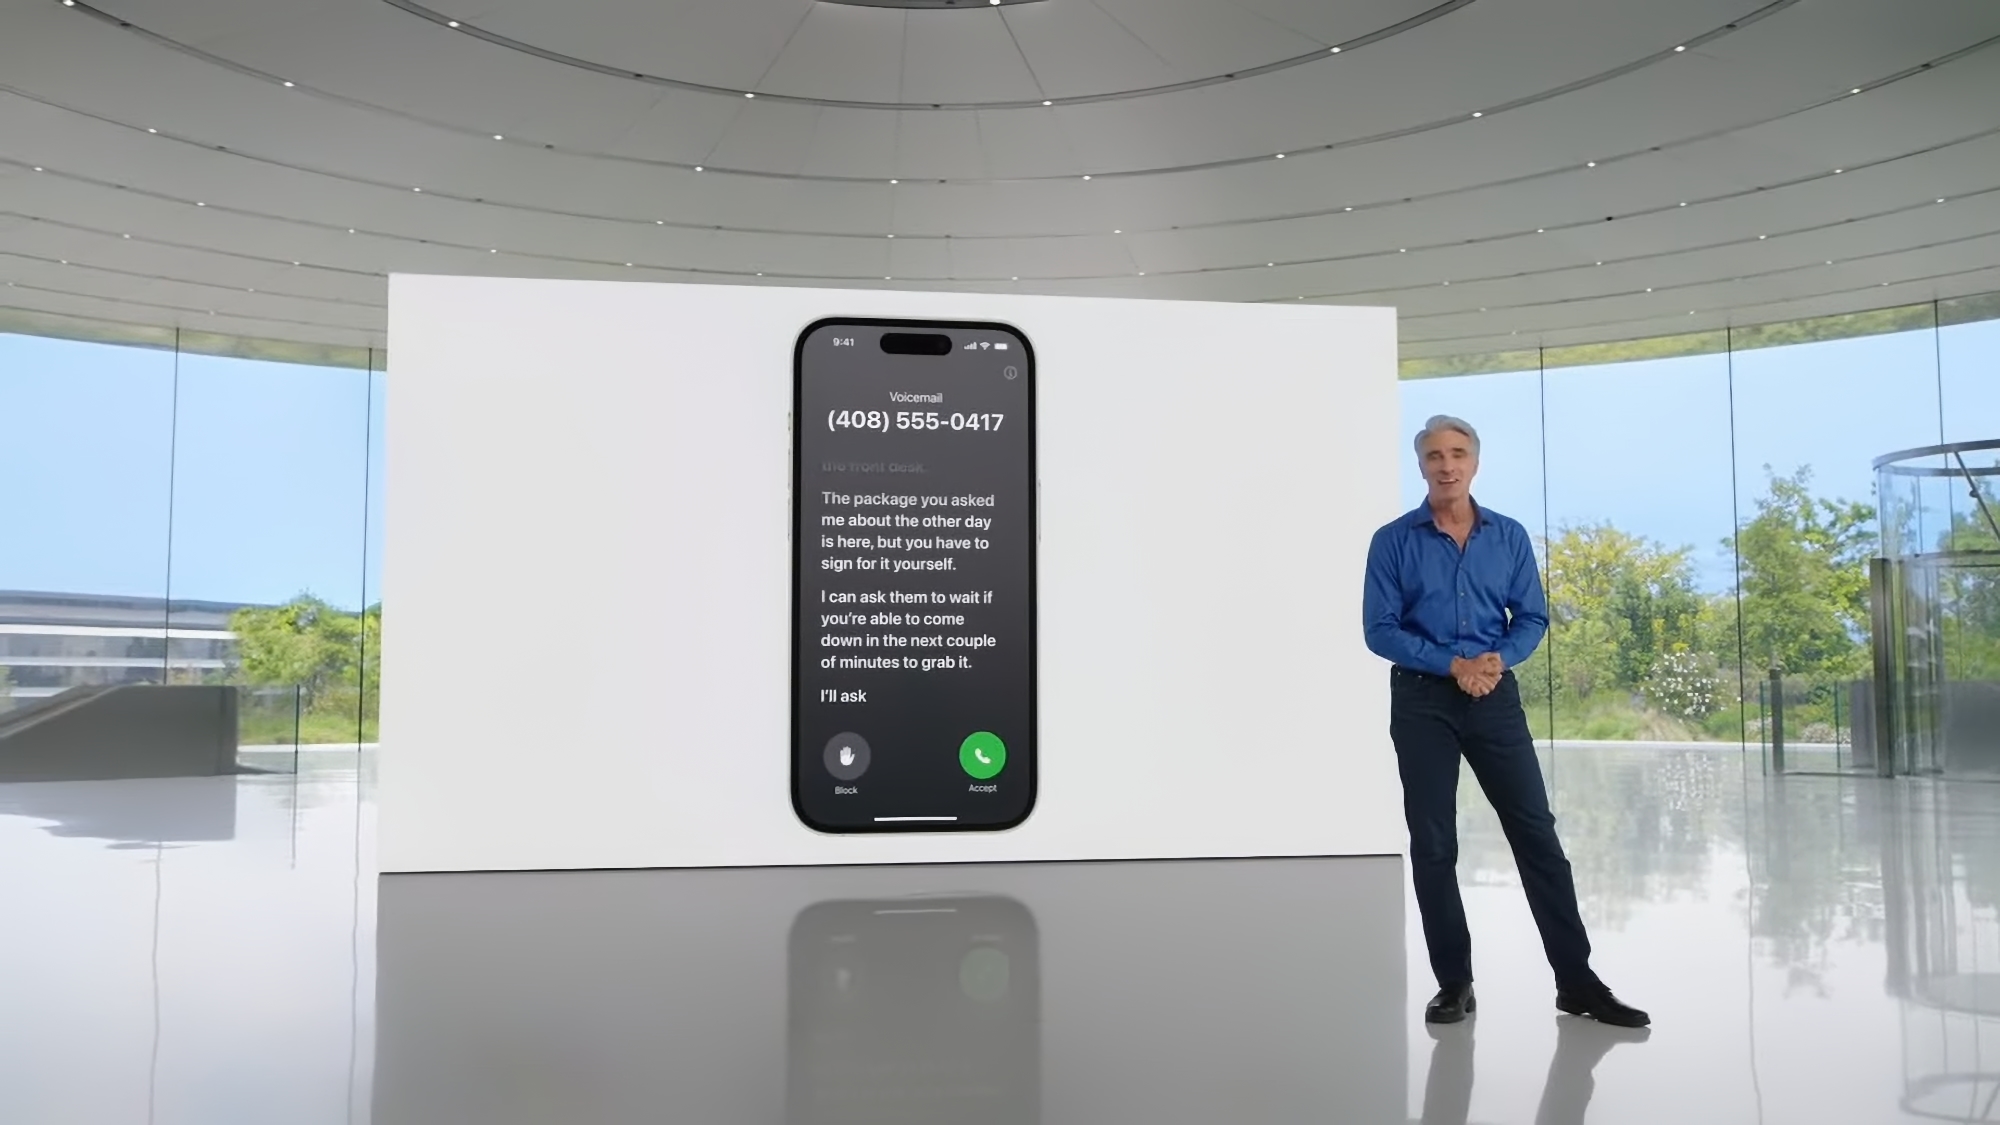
(913, 577)
(915, 1010)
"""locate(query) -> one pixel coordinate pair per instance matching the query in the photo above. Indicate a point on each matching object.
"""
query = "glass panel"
(85, 446)
(267, 556)
(1810, 420)
(1642, 639)
(1968, 349)
(371, 683)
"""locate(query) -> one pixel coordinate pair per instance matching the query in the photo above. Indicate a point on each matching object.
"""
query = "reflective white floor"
(204, 951)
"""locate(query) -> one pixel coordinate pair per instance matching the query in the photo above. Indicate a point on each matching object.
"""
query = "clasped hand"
(1479, 676)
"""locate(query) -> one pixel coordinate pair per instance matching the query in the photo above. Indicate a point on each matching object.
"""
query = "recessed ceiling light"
(1142, 273)
(1477, 113)
(1445, 283)
(199, 203)
(699, 168)
(628, 265)
(498, 137)
(888, 279)
(1678, 50)
(748, 94)
(1117, 232)
(1649, 289)
(1350, 208)
(1600, 263)
(1590, 164)
(1270, 264)
(493, 251)
(1838, 171)
(1690, 312)
(38, 168)
(249, 290)
(289, 85)
(416, 189)
(760, 273)
(659, 222)
(350, 230)
(1482, 308)
(1335, 51)
(1762, 237)
(62, 261)
(296, 263)
(895, 181)
(1281, 156)
(1829, 261)
(1684, 203)
(69, 3)
(1086, 177)
(892, 236)
(1402, 250)
(1013, 279)
(1048, 103)
(152, 130)
(124, 236)
(1940, 199)
(451, 23)
(1856, 90)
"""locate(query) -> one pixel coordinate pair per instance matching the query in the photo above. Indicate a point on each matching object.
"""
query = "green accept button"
(982, 754)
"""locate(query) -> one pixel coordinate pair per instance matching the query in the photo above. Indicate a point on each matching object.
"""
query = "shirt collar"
(1421, 516)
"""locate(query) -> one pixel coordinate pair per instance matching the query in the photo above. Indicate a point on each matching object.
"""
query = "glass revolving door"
(1937, 609)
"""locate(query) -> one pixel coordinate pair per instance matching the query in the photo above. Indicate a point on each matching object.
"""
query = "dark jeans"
(1433, 723)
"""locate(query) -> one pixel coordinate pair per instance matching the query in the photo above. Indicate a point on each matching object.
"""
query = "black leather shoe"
(1597, 1002)
(1452, 1004)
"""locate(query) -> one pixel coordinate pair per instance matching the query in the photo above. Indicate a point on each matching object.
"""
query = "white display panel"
(587, 571)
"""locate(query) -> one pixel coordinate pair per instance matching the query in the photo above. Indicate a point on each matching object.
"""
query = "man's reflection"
(915, 1010)
(1580, 1045)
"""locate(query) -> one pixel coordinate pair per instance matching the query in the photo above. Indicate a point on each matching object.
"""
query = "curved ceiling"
(1505, 172)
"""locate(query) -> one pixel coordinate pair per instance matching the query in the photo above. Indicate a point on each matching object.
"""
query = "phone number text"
(885, 421)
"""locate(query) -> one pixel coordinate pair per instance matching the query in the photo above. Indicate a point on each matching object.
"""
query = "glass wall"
(1708, 514)
(181, 512)
(203, 509)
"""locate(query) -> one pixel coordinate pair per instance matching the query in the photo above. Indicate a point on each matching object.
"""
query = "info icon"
(847, 756)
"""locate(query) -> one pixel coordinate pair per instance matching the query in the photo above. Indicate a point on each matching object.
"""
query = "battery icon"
(999, 347)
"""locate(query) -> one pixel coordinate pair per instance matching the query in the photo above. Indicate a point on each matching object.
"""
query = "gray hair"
(1442, 423)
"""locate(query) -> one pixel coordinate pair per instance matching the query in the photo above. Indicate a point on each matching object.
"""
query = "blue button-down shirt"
(1427, 601)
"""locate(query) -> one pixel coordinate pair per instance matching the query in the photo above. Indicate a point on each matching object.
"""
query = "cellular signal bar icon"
(973, 346)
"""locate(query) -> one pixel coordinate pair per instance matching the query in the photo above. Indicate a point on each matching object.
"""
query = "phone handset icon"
(982, 755)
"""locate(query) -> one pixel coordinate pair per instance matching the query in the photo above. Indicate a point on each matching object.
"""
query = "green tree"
(304, 642)
(1804, 589)
(1617, 603)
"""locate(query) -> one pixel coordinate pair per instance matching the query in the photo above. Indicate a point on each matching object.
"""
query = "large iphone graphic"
(915, 1010)
(913, 576)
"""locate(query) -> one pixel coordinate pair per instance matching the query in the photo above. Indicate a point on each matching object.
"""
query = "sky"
(1655, 448)
(252, 484)
(256, 482)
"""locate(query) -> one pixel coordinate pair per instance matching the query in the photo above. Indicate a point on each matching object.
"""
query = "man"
(1454, 602)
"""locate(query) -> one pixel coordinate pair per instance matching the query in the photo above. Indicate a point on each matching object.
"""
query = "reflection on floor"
(203, 950)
